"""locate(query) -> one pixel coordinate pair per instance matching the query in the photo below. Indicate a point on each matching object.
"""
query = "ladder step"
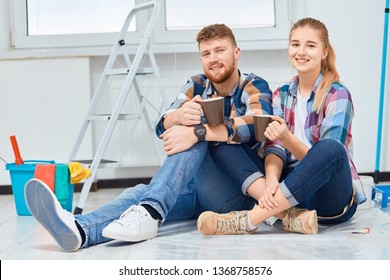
(103, 163)
(125, 71)
(130, 67)
(107, 117)
(106, 163)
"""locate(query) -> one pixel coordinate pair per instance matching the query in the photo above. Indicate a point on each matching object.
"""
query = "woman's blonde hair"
(328, 68)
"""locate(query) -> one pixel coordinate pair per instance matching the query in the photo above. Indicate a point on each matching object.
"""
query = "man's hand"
(178, 138)
(190, 113)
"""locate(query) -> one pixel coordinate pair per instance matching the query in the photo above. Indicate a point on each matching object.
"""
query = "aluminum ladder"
(131, 71)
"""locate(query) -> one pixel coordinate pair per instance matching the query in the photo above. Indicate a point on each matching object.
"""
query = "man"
(189, 181)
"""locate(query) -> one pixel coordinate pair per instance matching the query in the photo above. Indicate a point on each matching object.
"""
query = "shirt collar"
(293, 88)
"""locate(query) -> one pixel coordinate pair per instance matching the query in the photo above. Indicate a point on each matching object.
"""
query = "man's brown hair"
(215, 31)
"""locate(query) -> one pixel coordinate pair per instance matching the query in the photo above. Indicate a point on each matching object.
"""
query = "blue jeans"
(187, 184)
(321, 181)
(239, 162)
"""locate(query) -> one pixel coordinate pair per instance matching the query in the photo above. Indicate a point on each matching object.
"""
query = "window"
(42, 24)
(48, 17)
(257, 24)
(70, 23)
(261, 15)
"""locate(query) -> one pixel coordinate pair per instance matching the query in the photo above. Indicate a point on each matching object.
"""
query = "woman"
(310, 175)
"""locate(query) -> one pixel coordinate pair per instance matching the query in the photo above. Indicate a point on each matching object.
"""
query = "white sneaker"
(45, 207)
(134, 225)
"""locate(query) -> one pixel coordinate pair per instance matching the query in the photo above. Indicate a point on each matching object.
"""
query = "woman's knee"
(331, 146)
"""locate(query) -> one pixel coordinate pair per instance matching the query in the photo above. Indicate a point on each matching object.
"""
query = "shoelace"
(235, 225)
(129, 216)
(294, 223)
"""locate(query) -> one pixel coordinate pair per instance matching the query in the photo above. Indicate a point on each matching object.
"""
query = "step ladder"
(130, 72)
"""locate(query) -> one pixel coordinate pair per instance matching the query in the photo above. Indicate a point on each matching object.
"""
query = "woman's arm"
(273, 170)
(278, 130)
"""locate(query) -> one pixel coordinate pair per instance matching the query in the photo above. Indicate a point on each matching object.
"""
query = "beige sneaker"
(235, 222)
(301, 221)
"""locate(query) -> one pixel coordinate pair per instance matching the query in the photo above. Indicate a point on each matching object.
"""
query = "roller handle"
(15, 147)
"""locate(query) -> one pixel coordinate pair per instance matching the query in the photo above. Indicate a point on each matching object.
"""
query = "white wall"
(356, 30)
(43, 101)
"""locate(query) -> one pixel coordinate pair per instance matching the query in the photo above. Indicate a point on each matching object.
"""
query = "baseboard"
(131, 182)
(121, 183)
(113, 183)
(378, 176)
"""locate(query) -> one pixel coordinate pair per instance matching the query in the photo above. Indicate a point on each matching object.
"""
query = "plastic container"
(20, 174)
(368, 185)
(385, 191)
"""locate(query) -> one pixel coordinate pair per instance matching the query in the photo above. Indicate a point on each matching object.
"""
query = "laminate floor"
(22, 238)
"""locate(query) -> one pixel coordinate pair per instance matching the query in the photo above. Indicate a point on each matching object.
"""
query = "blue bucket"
(20, 174)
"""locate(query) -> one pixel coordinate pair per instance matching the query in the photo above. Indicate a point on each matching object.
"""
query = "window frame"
(163, 41)
(21, 40)
(267, 38)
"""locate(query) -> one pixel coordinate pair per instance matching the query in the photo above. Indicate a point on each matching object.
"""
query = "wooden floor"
(24, 239)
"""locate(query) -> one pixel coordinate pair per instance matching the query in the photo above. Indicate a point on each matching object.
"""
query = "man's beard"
(224, 77)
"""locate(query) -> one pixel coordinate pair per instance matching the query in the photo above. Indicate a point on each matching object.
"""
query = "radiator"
(134, 142)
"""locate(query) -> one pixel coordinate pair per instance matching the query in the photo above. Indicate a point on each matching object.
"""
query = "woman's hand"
(277, 129)
(267, 199)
